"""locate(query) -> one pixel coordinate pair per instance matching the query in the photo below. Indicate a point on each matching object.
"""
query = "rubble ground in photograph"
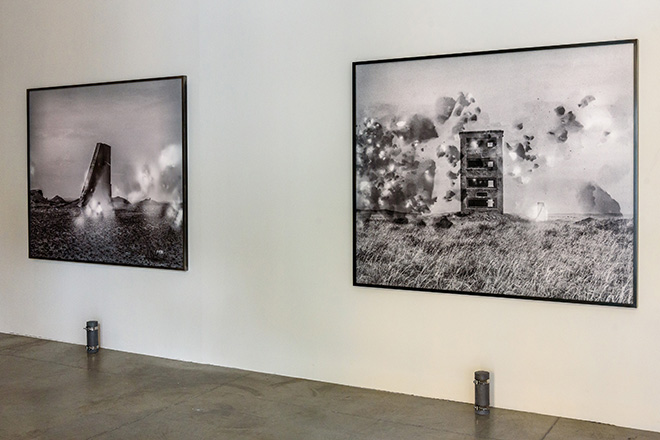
(589, 260)
(140, 234)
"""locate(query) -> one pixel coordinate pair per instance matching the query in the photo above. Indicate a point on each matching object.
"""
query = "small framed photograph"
(107, 174)
(508, 173)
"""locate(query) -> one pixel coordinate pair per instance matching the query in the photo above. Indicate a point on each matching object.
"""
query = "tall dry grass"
(585, 261)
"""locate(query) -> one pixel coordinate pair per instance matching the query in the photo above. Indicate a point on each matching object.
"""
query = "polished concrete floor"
(52, 390)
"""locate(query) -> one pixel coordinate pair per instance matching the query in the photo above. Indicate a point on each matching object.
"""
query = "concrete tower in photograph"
(97, 184)
(481, 171)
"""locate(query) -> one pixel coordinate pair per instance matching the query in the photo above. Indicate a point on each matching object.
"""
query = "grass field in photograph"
(586, 260)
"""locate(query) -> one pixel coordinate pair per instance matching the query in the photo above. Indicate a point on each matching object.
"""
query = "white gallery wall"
(270, 222)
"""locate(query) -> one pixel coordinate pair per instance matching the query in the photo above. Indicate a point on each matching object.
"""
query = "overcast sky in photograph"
(522, 89)
(141, 121)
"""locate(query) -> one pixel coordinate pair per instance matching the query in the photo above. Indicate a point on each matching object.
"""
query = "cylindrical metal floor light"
(92, 336)
(481, 392)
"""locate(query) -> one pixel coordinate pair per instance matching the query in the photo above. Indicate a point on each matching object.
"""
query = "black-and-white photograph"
(107, 173)
(507, 173)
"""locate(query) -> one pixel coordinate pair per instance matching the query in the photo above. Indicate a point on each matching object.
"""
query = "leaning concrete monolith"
(97, 187)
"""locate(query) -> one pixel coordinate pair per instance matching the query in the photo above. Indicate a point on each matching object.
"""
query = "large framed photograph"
(107, 174)
(509, 173)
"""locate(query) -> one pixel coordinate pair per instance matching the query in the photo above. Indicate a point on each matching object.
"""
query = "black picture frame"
(107, 173)
(507, 173)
